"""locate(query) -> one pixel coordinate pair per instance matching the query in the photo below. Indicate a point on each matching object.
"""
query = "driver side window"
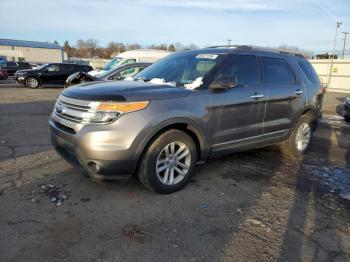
(52, 68)
(243, 69)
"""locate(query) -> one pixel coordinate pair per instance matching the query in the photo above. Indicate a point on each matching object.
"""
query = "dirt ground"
(249, 206)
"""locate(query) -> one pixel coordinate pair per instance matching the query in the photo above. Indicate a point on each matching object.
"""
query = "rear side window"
(243, 69)
(129, 61)
(66, 68)
(309, 71)
(277, 71)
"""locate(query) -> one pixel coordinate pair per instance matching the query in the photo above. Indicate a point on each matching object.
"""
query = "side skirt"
(249, 143)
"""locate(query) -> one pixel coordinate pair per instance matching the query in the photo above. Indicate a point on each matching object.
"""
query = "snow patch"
(195, 84)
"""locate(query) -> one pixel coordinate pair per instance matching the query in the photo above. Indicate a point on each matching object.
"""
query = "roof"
(261, 49)
(243, 48)
(34, 44)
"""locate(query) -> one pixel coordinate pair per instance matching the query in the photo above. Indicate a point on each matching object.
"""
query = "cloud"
(224, 5)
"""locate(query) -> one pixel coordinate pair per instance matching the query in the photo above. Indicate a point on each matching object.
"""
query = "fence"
(340, 81)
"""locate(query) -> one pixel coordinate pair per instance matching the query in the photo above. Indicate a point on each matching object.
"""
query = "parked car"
(3, 73)
(119, 73)
(346, 109)
(12, 67)
(133, 56)
(55, 73)
(185, 108)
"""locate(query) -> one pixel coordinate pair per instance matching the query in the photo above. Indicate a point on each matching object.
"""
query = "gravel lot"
(249, 206)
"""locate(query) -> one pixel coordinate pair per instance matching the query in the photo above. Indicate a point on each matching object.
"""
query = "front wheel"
(32, 82)
(299, 140)
(169, 162)
(347, 119)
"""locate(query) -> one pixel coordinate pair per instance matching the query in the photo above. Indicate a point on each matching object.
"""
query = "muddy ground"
(249, 206)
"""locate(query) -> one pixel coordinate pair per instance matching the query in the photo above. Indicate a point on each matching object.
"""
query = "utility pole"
(345, 35)
(332, 56)
(229, 42)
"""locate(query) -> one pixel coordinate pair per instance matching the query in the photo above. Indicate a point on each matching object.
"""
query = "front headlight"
(97, 112)
(109, 112)
(124, 107)
(347, 100)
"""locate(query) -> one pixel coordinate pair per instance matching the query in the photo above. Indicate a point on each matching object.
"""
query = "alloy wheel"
(173, 163)
(303, 136)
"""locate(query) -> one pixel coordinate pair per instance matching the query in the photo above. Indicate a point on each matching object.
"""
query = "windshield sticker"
(207, 56)
(195, 84)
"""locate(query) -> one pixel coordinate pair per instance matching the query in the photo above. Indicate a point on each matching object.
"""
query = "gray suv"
(186, 108)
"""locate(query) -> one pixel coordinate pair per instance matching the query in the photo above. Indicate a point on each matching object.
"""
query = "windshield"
(113, 63)
(41, 67)
(104, 74)
(182, 70)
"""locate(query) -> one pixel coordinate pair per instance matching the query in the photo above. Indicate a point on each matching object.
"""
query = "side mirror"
(222, 82)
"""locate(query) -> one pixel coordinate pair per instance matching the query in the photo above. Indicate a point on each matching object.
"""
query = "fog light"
(93, 167)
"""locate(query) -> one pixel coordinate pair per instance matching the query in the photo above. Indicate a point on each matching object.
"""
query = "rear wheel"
(32, 82)
(347, 118)
(169, 162)
(299, 140)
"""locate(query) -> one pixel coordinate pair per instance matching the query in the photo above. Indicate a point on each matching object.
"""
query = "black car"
(13, 67)
(119, 73)
(55, 73)
(346, 109)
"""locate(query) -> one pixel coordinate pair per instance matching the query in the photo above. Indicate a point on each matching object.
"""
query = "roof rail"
(259, 48)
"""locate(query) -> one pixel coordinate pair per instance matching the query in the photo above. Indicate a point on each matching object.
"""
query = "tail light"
(323, 88)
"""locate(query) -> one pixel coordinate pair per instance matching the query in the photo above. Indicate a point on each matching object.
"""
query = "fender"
(309, 108)
(191, 125)
(36, 76)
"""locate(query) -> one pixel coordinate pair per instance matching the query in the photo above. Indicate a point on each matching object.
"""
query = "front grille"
(73, 110)
(74, 102)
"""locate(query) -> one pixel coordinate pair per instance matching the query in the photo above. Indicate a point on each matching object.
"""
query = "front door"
(239, 110)
(50, 74)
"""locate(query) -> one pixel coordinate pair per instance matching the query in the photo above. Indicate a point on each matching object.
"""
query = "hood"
(124, 91)
(25, 70)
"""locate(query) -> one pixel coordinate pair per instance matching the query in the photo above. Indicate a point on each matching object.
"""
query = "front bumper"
(19, 78)
(88, 152)
(346, 109)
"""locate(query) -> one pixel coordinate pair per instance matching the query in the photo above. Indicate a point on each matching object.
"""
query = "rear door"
(65, 70)
(285, 94)
(240, 109)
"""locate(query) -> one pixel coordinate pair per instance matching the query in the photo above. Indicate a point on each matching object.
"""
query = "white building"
(31, 51)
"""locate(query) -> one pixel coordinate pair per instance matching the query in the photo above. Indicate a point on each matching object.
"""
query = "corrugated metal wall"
(37, 55)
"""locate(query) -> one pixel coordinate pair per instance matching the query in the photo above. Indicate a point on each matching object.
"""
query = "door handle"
(298, 92)
(257, 96)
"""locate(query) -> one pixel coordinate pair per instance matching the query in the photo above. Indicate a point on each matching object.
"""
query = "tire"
(347, 119)
(32, 82)
(156, 169)
(290, 147)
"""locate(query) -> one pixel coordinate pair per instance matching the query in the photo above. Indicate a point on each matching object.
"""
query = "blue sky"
(308, 24)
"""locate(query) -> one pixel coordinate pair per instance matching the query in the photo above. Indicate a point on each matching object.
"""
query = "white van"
(133, 56)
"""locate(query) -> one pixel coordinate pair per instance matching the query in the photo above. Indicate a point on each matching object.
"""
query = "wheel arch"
(34, 76)
(183, 124)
